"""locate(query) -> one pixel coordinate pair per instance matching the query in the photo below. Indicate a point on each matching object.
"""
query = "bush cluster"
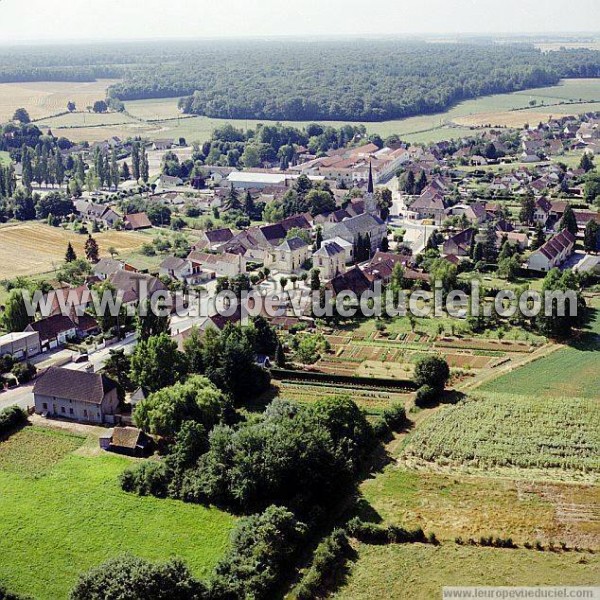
(11, 418)
(327, 567)
(371, 533)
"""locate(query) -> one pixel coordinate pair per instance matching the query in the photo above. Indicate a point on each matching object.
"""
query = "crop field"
(557, 435)
(73, 515)
(160, 117)
(471, 507)
(32, 248)
(570, 371)
(371, 401)
(418, 572)
(46, 98)
(85, 119)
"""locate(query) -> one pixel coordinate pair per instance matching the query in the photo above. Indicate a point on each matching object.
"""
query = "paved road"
(22, 396)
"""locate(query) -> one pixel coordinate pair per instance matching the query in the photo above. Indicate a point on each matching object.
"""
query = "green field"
(4, 158)
(570, 371)
(68, 515)
(470, 507)
(418, 572)
(558, 435)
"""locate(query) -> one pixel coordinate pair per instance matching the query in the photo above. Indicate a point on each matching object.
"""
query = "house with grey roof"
(76, 395)
(289, 256)
(356, 228)
(330, 259)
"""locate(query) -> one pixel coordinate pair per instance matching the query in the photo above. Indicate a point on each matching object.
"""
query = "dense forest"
(293, 80)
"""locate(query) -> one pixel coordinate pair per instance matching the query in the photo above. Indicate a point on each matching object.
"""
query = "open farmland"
(72, 515)
(570, 371)
(47, 98)
(156, 118)
(560, 436)
(418, 572)
(32, 248)
(470, 507)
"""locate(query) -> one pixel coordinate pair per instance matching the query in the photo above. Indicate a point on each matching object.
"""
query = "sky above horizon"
(57, 20)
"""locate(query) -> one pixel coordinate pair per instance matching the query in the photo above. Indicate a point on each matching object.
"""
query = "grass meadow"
(571, 371)
(419, 572)
(64, 513)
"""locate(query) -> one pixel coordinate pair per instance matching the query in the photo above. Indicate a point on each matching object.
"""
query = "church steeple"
(370, 200)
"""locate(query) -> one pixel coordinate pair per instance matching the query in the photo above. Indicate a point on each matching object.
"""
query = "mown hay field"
(419, 572)
(72, 515)
(31, 248)
(46, 98)
(560, 436)
(470, 507)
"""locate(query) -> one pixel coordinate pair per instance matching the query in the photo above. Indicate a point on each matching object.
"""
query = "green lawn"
(4, 158)
(418, 572)
(71, 515)
(571, 371)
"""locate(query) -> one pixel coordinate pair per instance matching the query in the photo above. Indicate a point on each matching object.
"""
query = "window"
(71, 411)
(45, 406)
(62, 409)
(85, 413)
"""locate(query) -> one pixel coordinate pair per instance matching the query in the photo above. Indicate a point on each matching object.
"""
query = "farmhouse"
(222, 265)
(53, 331)
(137, 221)
(76, 395)
(214, 239)
(21, 345)
(553, 253)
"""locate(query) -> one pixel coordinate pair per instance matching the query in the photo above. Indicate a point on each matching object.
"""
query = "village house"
(289, 256)
(553, 253)
(459, 244)
(181, 269)
(330, 259)
(106, 267)
(133, 286)
(54, 331)
(76, 395)
(213, 239)
(221, 265)
(20, 345)
(355, 228)
(137, 221)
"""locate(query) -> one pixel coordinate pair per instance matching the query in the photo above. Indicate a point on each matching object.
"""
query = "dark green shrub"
(11, 418)
(395, 417)
(24, 372)
(146, 479)
(426, 396)
(137, 579)
(328, 564)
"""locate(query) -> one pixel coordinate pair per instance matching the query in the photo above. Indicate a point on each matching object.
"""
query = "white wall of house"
(85, 412)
